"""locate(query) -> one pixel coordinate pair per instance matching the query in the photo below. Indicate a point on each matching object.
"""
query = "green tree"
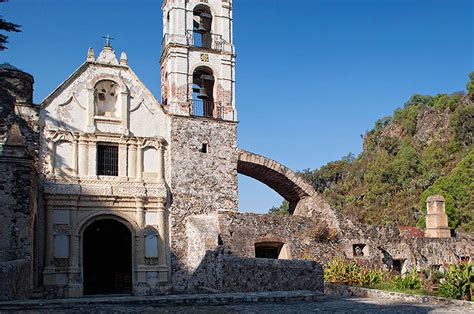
(283, 209)
(462, 125)
(470, 87)
(406, 164)
(458, 191)
(6, 26)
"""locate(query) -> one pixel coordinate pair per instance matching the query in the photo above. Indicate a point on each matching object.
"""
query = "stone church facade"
(110, 151)
(105, 189)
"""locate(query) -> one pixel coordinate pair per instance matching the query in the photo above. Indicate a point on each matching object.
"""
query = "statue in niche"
(105, 98)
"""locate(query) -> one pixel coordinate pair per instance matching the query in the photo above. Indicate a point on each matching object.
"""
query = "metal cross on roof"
(107, 40)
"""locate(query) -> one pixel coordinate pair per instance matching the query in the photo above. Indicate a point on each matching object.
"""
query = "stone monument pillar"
(436, 218)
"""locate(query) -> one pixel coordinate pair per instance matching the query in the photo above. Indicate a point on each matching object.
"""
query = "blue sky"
(312, 75)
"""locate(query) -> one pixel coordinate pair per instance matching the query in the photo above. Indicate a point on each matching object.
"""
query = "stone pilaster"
(140, 214)
(162, 242)
(83, 156)
(75, 149)
(132, 158)
(161, 163)
(122, 159)
(92, 157)
(139, 160)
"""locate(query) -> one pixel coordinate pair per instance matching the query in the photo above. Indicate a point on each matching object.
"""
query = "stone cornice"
(97, 187)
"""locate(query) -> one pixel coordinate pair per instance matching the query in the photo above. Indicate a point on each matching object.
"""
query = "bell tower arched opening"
(107, 258)
(202, 25)
(203, 92)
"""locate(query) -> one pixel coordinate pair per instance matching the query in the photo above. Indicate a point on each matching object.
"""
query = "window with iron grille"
(268, 249)
(107, 160)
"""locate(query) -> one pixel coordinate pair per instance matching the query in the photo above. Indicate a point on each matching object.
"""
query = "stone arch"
(131, 225)
(303, 199)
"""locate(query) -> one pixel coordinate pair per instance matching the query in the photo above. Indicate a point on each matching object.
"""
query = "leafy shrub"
(410, 281)
(348, 272)
(458, 282)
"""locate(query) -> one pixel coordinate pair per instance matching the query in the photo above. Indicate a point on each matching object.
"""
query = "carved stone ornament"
(204, 57)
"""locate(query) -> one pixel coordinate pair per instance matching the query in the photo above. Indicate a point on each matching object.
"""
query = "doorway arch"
(107, 257)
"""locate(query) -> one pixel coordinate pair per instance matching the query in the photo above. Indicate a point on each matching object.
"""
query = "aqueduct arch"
(303, 199)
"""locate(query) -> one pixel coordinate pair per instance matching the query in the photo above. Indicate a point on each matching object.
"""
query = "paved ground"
(329, 304)
(253, 302)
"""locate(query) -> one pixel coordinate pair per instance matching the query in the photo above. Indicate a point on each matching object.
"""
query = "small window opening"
(107, 160)
(435, 267)
(397, 265)
(358, 250)
(204, 148)
(268, 250)
(464, 259)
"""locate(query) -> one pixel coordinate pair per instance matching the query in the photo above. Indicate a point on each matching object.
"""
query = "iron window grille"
(266, 252)
(107, 160)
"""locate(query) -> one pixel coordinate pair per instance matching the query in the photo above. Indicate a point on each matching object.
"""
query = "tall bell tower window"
(202, 23)
(203, 89)
(107, 160)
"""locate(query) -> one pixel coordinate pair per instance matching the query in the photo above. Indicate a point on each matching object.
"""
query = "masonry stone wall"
(301, 235)
(201, 182)
(220, 272)
(18, 184)
(250, 274)
(15, 277)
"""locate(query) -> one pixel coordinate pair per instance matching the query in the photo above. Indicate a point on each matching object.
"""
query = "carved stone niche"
(151, 242)
(359, 250)
(106, 99)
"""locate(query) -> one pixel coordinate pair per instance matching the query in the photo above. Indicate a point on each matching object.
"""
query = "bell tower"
(198, 88)
(198, 59)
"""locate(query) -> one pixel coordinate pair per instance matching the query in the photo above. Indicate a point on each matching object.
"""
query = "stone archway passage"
(107, 258)
(303, 199)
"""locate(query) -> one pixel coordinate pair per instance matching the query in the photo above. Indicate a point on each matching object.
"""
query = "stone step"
(168, 300)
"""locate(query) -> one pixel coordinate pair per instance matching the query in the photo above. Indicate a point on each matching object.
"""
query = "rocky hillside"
(425, 148)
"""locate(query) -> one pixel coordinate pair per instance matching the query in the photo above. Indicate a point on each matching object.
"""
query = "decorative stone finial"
(90, 55)
(107, 56)
(123, 59)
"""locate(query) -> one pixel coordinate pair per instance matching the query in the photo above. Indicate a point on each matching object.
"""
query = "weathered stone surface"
(240, 231)
(15, 279)
(221, 272)
(18, 184)
(201, 183)
(256, 302)
(258, 274)
(348, 291)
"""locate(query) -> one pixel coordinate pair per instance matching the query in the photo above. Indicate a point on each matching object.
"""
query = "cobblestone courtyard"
(329, 305)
